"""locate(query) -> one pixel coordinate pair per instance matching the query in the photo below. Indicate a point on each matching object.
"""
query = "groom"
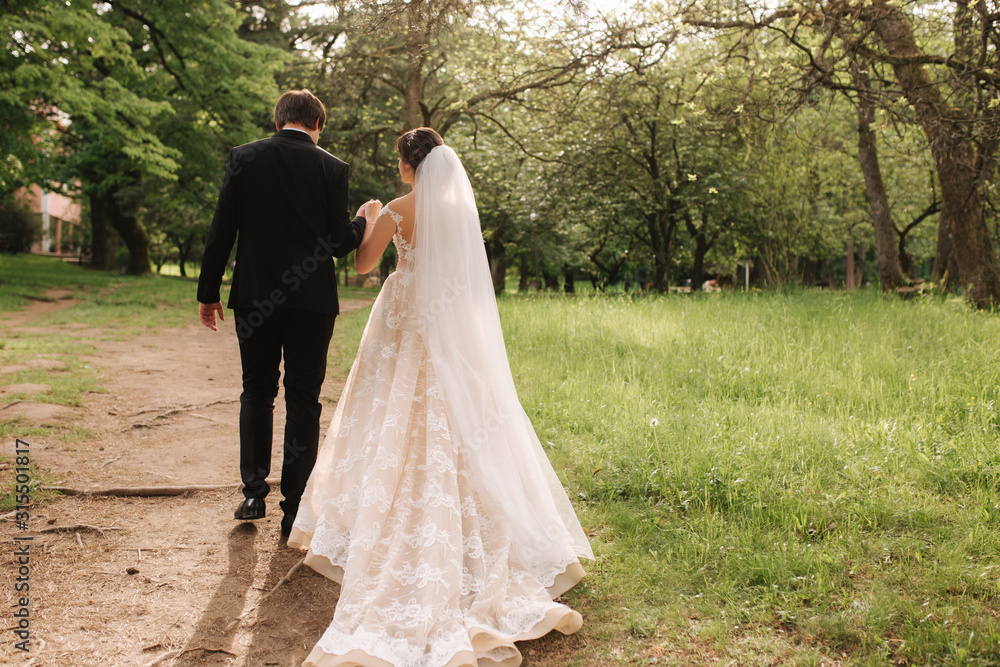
(284, 203)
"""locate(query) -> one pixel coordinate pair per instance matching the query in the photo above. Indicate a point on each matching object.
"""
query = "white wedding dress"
(442, 519)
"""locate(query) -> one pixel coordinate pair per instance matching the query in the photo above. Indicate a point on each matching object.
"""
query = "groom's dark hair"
(300, 107)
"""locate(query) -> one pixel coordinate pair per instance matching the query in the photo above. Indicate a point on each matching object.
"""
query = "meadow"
(767, 478)
(776, 477)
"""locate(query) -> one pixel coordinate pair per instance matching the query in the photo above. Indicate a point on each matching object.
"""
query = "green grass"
(173, 269)
(27, 277)
(830, 470)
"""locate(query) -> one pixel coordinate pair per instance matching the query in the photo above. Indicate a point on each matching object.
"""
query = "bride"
(432, 501)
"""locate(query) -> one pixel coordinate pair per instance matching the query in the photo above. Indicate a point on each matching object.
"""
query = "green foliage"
(625, 146)
(137, 91)
(18, 228)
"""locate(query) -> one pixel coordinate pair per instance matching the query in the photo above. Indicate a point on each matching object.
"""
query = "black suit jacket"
(284, 202)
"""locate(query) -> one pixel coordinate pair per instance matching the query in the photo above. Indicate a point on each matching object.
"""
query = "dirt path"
(169, 578)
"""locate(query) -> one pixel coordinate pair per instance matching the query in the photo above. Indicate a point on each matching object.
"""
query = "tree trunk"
(185, 252)
(661, 272)
(570, 279)
(136, 240)
(954, 159)
(698, 270)
(498, 269)
(859, 269)
(102, 233)
(943, 259)
(809, 271)
(497, 253)
(661, 228)
(522, 283)
(972, 250)
(849, 272)
(905, 261)
(701, 247)
(827, 273)
(946, 269)
(889, 268)
(415, 47)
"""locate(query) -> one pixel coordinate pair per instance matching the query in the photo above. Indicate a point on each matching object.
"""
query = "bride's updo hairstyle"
(413, 146)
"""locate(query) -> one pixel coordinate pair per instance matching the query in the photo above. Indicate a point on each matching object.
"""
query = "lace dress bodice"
(398, 287)
(404, 249)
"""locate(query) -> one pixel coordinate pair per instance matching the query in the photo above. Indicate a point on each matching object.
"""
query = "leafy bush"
(18, 228)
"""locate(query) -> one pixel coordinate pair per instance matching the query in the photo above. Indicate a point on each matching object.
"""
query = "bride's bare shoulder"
(403, 205)
(401, 211)
(401, 208)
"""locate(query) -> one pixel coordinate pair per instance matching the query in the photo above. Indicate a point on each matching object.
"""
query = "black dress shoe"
(250, 509)
(286, 525)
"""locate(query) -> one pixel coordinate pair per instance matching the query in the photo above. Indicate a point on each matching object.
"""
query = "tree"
(144, 89)
(659, 180)
(949, 85)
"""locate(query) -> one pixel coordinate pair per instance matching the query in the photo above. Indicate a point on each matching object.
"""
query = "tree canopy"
(648, 145)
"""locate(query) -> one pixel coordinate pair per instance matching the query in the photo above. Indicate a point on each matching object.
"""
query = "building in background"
(59, 218)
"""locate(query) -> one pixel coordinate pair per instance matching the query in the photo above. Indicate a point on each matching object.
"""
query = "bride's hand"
(372, 210)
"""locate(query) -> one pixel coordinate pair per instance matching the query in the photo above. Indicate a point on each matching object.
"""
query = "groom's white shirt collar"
(297, 130)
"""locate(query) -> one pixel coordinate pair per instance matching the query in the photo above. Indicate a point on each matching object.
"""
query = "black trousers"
(304, 339)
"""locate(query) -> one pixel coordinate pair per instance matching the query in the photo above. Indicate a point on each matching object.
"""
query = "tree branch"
(155, 33)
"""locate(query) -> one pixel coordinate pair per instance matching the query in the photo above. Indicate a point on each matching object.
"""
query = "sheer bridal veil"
(461, 329)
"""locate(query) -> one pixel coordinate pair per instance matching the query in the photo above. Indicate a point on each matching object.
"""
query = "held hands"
(206, 314)
(370, 210)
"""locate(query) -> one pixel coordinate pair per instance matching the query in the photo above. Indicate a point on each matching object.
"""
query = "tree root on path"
(179, 652)
(150, 422)
(77, 526)
(145, 491)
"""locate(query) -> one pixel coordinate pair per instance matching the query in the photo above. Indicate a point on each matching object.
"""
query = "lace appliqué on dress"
(396, 217)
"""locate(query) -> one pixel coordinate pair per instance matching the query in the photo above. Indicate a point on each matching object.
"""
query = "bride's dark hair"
(413, 146)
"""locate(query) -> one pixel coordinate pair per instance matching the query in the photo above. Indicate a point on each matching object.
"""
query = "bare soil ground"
(162, 580)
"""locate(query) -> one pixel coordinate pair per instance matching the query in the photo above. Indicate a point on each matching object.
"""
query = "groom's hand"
(206, 313)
